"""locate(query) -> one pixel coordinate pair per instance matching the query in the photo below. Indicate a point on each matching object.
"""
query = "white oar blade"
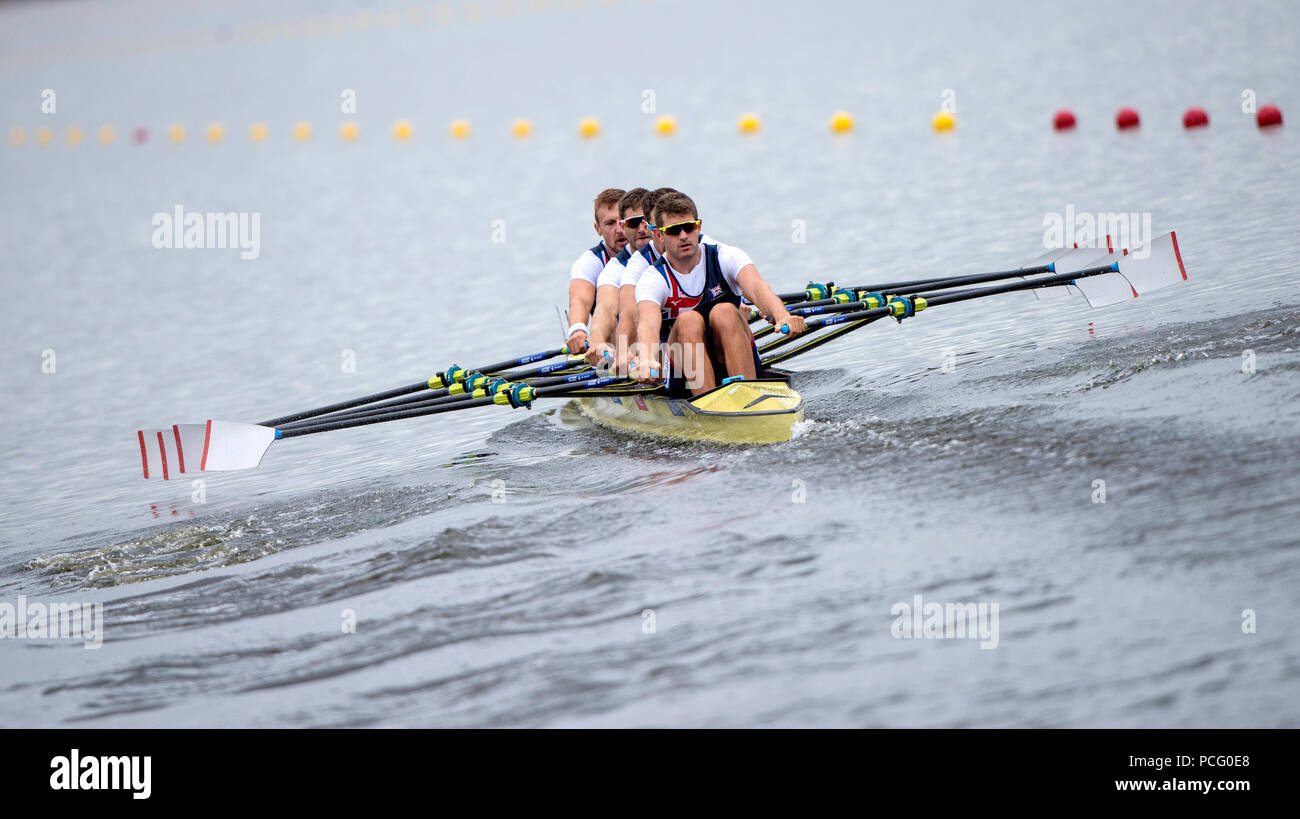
(157, 453)
(1154, 265)
(1107, 288)
(216, 446)
(1041, 261)
(1078, 258)
(230, 445)
(188, 439)
(1046, 259)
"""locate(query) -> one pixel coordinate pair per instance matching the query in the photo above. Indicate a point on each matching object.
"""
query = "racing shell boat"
(761, 411)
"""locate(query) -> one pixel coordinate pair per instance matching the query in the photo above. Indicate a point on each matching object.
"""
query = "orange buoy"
(1126, 118)
(1063, 120)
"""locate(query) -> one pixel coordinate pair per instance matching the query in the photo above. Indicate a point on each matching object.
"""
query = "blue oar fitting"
(731, 378)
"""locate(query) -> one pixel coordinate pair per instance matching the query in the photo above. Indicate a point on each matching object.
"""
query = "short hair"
(676, 202)
(632, 200)
(606, 198)
(651, 202)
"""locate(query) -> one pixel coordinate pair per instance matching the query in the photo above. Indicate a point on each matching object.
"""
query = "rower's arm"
(648, 320)
(606, 314)
(759, 292)
(627, 316)
(582, 294)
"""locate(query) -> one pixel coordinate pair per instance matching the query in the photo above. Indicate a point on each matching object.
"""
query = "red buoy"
(1195, 118)
(1268, 116)
(1126, 118)
(1063, 120)
(140, 135)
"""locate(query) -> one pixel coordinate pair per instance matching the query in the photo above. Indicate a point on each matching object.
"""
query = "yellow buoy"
(215, 132)
(258, 132)
(44, 136)
(459, 129)
(522, 129)
(841, 122)
(17, 135)
(749, 123)
(176, 133)
(349, 131)
(943, 121)
(74, 136)
(301, 131)
(402, 130)
(107, 134)
(665, 125)
(588, 127)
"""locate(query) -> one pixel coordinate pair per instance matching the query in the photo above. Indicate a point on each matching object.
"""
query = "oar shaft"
(408, 389)
(558, 390)
(441, 395)
(955, 281)
(342, 405)
(365, 412)
(850, 314)
(934, 283)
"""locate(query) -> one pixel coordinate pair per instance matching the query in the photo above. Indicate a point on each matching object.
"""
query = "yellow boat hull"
(743, 412)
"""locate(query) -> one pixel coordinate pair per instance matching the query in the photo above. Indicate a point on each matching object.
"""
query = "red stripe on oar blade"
(180, 451)
(162, 453)
(1173, 237)
(207, 438)
(144, 455)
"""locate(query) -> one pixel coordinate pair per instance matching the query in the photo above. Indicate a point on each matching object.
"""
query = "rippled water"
(971, 486)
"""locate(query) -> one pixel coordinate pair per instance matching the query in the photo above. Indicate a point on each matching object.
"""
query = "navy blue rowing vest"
(679, 301)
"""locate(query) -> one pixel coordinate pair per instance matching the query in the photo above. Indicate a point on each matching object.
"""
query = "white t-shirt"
(611, 274)
(731, 260)
(638, 264)
(588, 266)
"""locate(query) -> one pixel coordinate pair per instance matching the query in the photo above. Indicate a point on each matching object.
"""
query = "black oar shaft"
(557, 391)
(364, 412)
(936, 282)
(342, 405)
(441, 395)
(407, 390)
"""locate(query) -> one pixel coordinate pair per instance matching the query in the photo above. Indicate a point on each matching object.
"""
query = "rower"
(636, 265)
(677, 307)
(636, 228)
(586, 270)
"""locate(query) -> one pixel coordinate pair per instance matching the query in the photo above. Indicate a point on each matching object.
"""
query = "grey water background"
(970, 486)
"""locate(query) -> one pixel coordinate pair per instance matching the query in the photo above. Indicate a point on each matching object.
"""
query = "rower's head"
(677, 222)
(606, 207)
(651, 199)
(632, 218)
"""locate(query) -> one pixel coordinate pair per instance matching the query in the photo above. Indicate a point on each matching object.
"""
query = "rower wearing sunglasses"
(586, 270)
(677, 306)
(636, 229)
(616, 352)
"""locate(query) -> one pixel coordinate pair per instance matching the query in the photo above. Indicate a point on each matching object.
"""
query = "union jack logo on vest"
(716, 290)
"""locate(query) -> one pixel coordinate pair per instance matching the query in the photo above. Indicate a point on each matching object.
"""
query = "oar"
(221, 446)
(465, 385)
(820, 294)
(475, 386)
(1150, 267)
(442, 380)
